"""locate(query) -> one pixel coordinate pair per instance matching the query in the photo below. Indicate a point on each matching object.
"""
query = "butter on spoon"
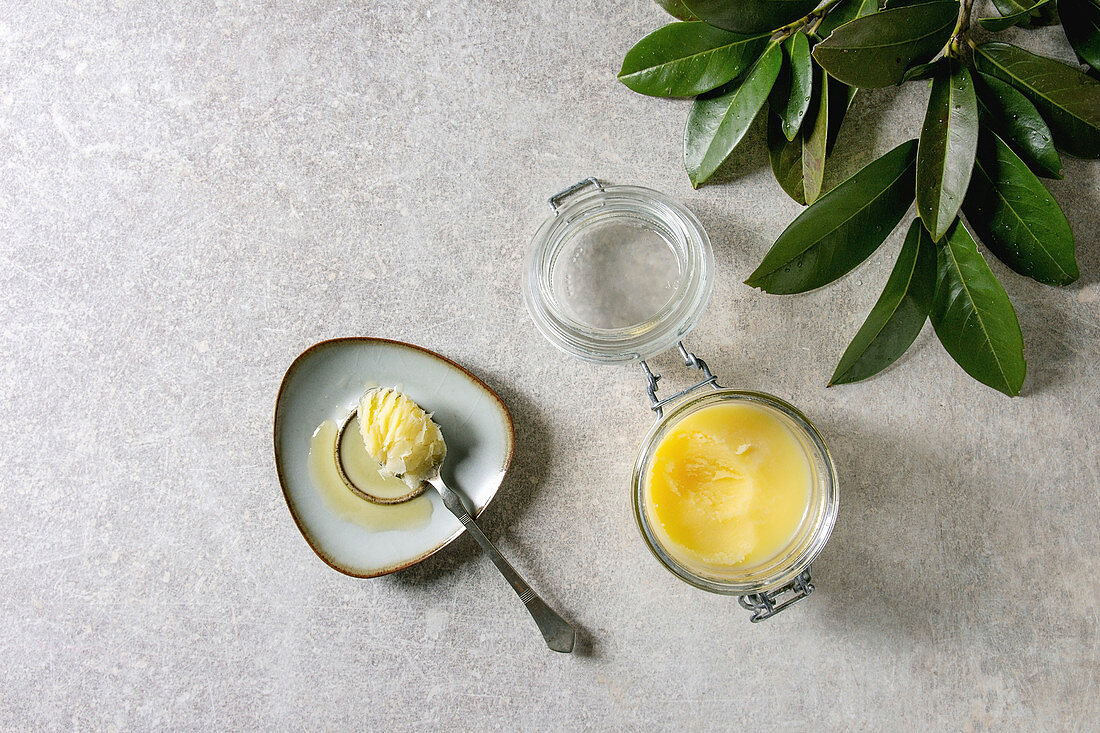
(406, 442)
(398, 434)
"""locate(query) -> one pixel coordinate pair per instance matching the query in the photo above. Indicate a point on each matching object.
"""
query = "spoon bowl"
(350, 483)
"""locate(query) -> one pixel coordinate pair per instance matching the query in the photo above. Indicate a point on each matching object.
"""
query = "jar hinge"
(690, 360)
(556, 199)
(765, 605)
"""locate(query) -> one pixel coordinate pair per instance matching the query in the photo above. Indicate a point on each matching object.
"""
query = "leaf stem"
(809, 22)
(959, 44)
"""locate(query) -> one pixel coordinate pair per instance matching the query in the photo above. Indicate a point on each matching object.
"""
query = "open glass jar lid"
(618, 273)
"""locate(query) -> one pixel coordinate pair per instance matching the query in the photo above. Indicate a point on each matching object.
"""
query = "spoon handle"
(559, 635)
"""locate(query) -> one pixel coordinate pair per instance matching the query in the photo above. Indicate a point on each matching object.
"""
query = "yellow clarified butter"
(728, 487)
(400, 436)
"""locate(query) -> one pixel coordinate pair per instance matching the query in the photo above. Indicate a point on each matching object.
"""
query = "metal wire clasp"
(690, 360)
(765, 605)
(556, 199)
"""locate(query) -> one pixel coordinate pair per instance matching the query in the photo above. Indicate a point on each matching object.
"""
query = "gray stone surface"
(192, 193)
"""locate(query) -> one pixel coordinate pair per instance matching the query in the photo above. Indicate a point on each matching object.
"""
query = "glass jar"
(620, 274)
(762, 586)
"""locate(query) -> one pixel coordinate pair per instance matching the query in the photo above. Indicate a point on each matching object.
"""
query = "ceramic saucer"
(325, 383)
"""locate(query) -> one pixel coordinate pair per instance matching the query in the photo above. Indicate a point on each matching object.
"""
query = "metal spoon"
(559, 635)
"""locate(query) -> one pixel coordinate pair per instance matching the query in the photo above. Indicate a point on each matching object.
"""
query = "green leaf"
(786, 159)
(947, 144)
(875, 50)
(898, 315)
(686, 59)
(1019, 17)
(814, 141)
(973, 316)
(1067, 99)
(1040, 13)
(790, 97)
(1081, 23)
(1002, 108)
(1017, 218)
(920, 71)
(750, 16)
(677, 9)
(891, 4)
(717, 122)
(845, 11)
(799, 164)
(842, 228)
(1008, 7)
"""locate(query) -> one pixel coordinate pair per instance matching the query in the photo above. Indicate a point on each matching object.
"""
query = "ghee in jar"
(728, 486)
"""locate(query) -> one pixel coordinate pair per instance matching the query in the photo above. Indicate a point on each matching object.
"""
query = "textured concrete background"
(193, 193)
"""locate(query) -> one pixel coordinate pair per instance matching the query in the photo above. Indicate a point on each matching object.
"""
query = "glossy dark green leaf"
(973, 317)
(677, 9)
(843, 12)
(1040, 13)
(1047, 15)
(1017, 218)
(842, 228)
(815, 139)
(750, 16)
(1002, 108)
(892, 4)
(1023, 16)
(875, 50)
(1081, 23)
(920, 71)
(948, 140)
(790, 97)
(686, 59)
(717, 122)
(786, 159)
(898, 315)
(1068, 100)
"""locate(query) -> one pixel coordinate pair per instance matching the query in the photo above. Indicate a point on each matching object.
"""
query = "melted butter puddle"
(363, 470)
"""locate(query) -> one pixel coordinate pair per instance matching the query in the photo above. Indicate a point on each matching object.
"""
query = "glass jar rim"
(662, 329)
(789, 563)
